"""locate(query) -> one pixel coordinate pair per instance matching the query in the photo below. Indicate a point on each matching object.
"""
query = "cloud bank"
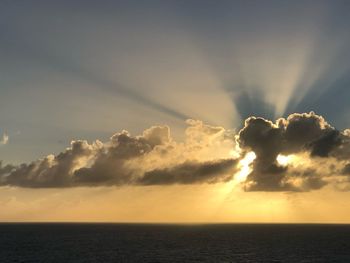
(152, 158)
(315, 154)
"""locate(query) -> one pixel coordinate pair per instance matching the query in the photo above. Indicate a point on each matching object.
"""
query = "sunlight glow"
(284, 160)
(245, 168)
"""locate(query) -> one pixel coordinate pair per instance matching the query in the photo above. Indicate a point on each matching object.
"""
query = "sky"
(175, 111)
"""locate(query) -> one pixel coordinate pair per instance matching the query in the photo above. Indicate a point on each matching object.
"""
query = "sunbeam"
(244, 167)
(175, 111)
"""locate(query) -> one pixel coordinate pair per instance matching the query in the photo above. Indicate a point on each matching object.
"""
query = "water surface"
(174, 243)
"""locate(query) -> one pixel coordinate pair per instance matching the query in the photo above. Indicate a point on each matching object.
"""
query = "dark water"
(174, 243)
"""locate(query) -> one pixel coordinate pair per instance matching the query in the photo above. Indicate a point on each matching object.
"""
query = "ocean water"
(174, 243)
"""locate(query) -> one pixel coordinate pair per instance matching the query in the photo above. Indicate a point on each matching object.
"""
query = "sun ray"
(245, 167)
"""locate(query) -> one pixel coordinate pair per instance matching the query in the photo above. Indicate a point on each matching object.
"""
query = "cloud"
(53, 171)
(4, 139)
(148, 159)
(192, 172)
(298, 134)
(6, 170)
(315, 154)
(112, 164)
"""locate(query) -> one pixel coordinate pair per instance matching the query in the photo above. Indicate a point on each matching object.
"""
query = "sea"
(87, 242)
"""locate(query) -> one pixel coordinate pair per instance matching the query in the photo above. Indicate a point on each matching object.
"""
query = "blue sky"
(86, 69)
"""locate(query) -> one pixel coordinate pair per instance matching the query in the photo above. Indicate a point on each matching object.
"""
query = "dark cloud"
(5, 170)
(325, 144)
(191, 173)
(262, 137)
(305, 132)
(52, 171)
(266, 177)
(346, 169)
(301, 129)
(111, 167)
